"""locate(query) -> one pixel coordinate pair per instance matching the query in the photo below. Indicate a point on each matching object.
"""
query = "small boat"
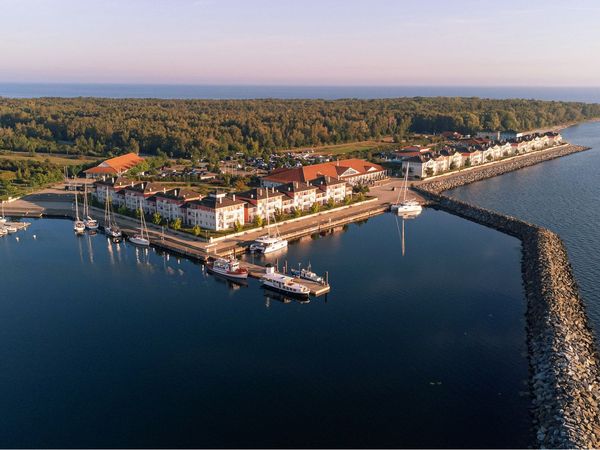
(2, 217)
(78, 225)
(90, 224)
(10, 228)
(283, 283)
(307, 274)
(3, 231)
(229, 268)
(110, 225)
(406, 206)
(142, 239)
(268, 244)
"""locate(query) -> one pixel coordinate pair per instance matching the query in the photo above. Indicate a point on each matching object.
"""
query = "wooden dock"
(18, 225)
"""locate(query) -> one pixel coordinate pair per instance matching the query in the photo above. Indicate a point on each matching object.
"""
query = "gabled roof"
(342, 168)
(117, 165)
(259, 194)
(178, 194)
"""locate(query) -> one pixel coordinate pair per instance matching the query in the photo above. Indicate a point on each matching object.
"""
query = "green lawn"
(58, 160)
(350, 147)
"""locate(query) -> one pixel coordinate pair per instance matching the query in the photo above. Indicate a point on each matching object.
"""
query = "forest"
(212, 129)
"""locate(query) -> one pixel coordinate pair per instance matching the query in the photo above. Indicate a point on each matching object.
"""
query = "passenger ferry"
(283, 283)
(229, 268)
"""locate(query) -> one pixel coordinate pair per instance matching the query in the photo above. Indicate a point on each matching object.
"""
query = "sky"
(302, 42)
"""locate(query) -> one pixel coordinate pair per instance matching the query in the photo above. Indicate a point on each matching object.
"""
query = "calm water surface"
(563, 195)
(105, 345)
(31, 90)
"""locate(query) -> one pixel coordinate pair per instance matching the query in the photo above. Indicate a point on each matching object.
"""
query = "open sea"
(108, 345)
(166, 91)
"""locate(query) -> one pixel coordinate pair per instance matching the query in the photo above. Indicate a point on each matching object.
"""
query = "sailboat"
(2, 218)
(410, 206)
(78, 226)
(110, 225)
(142, 239)
(90, 224)
(268, 244)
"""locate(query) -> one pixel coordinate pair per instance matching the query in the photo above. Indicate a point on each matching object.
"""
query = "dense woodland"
(211, 129)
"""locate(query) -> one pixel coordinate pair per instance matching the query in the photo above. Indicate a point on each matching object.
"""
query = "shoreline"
(564, 364)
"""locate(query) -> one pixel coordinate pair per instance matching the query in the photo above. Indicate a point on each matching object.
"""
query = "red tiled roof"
(117, 165)
(331, 169)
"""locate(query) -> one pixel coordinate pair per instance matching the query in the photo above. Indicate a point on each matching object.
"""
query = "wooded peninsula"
(212, 129)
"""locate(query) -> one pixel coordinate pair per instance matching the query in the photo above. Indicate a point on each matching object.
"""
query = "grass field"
(350, 147)
(54, 159)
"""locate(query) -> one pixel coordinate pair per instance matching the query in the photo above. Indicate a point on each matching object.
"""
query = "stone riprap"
(564, 363)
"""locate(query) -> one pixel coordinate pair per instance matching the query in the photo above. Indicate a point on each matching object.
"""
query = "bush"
(315, 207)
(176, 224)
(156, 218)
(196, 230)
(258, 221)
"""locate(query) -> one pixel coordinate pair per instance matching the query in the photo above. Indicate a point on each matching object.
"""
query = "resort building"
(303, 195)
(263, 202)
(352, 171)
(137, 193)
(170, 204)
(110, 188)
(331, 188)
(114, 167)
(216, 212)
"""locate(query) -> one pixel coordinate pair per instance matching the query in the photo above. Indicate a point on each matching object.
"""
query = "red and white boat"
(229, 268)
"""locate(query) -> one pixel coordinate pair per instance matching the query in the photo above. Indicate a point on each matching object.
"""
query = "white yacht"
(268, 244)
(406, 206)
(142, 239)
(90, 224)
(283, 283)
(229, 268)
(2, 218)
(78, 225)
(110, 225)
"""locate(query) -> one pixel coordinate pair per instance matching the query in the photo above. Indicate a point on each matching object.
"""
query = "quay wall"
(563, 359)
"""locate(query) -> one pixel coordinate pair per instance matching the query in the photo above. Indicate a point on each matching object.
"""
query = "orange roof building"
(114, 166)
(353, 171)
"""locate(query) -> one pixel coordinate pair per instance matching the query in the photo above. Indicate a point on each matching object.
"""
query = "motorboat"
(229, 268)
(283, 283)
(268, 244)
(307, 274)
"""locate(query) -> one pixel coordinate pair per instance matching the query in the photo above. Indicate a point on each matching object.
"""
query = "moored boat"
(229, 268)
(283, 283)
(78, 225)
(88, 221)
(111, 229)
(142, 239)
(268, 244)
(406, 206)
(307, 274)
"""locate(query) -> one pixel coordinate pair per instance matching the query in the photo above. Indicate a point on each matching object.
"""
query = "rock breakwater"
(564, 364)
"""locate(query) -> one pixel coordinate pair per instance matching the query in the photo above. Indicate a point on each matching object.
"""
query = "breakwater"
(564, 364)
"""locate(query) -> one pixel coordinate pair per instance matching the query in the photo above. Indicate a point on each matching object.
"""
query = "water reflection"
(281, 298)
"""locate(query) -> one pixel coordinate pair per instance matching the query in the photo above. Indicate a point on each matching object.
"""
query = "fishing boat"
(283, 283)
(90, 224)
(229, 268)
(78, 225)
(268, 244)
(142, 239)
(110, 225)
(307, 274)
(406, 205)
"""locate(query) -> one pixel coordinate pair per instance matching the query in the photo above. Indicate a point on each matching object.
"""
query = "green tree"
(196, 230)
(258, 221)
(156, 218)
(314, 208)
(176, 224)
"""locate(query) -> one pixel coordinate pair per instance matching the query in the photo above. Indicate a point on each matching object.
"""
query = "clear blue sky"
(302, 42)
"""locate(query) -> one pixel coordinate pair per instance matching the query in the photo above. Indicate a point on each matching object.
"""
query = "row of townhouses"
(424, 162)
(219, 211)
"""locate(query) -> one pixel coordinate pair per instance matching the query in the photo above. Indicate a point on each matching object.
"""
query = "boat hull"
(227, 273)
(141, 242)
(303, 295)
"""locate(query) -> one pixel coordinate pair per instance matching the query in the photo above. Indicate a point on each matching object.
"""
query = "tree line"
(212, 129)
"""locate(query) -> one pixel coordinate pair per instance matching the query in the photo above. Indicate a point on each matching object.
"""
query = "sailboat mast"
(76, 207)
(406, 182)
(268, 215)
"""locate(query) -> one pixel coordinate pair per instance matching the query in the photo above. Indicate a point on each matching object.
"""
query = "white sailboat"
(78, 225)
(90, 224)
(268, 244)
(142, 239)
(110, 225)
(2, 218)
(406, 206)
